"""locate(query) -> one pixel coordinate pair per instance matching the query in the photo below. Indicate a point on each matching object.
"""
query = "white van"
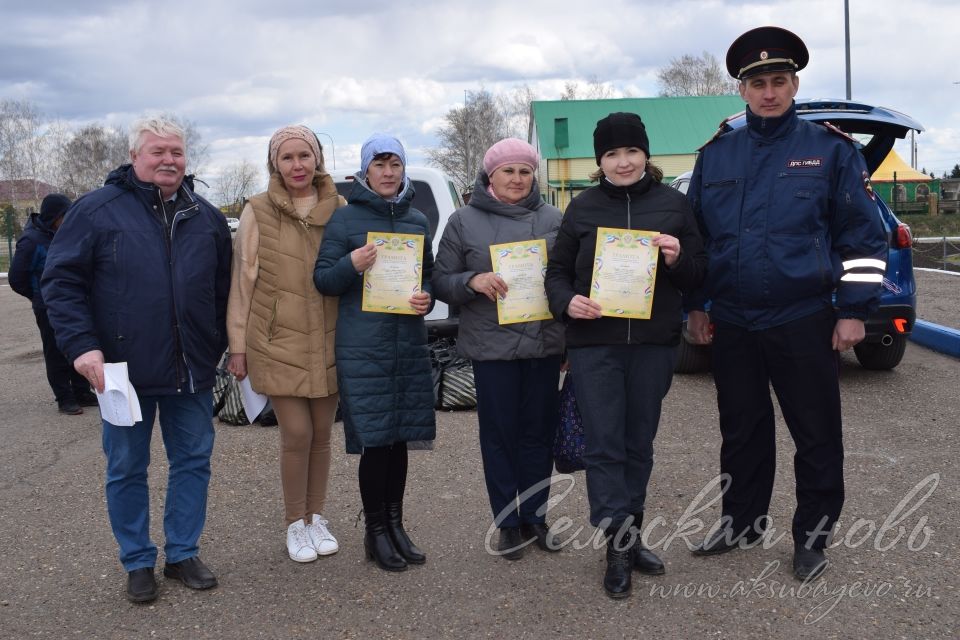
(436, 197)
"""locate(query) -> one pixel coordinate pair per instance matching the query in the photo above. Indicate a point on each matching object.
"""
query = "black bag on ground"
(453, 385)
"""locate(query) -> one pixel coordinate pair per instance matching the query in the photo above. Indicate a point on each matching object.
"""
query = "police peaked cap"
(766, 49)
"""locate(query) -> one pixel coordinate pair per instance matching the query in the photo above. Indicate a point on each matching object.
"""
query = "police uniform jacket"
(787, 215)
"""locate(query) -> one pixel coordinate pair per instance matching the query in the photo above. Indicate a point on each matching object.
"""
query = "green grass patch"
(926, 226)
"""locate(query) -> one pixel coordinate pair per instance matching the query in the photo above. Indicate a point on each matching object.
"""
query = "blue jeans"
(187, 430)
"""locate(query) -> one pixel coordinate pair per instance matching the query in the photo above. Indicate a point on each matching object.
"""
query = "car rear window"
(423, 201)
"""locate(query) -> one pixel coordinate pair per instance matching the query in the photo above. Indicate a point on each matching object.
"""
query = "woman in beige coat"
(281, 330)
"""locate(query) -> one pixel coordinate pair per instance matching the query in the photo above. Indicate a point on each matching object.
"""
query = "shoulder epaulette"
(833, 129)
(721, 129)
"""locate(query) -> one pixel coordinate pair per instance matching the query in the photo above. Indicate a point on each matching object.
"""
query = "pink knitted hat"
(509, 151)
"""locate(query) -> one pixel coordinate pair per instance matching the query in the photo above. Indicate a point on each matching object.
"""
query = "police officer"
(787, 214)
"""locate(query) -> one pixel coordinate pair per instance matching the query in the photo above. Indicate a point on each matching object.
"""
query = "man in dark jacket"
(139, 273)
(787, 213)
(69, 387)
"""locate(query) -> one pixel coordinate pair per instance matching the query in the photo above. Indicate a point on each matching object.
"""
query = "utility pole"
(846, 28)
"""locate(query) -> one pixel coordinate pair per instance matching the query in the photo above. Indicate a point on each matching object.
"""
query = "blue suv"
(875, 129)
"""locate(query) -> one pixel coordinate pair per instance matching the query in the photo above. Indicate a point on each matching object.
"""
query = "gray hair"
(157, 125)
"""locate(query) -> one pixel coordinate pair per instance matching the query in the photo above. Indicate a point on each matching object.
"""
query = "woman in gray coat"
(516, 366)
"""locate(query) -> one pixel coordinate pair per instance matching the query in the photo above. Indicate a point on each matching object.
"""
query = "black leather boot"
(379, 546)
(401, 541)
(644, 560)
(616, 579)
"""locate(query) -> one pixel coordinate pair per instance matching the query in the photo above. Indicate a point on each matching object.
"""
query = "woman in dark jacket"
(383, 363)
(623, 367)
(516, 366)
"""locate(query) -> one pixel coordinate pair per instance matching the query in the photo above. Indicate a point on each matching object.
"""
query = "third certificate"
(624, 272)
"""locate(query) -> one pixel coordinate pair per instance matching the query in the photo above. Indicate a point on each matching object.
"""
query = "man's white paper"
(119, 404)
(253, 402)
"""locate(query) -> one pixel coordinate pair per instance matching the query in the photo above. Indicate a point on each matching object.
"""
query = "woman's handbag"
(568, 444)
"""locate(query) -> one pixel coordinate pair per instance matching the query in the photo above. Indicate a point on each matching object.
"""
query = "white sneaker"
(298, 543)
(320, 537)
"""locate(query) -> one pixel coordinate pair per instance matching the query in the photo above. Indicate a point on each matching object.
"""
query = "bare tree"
(88, 156)
(236, 183)
(466, 135)
(592, 89)
(515, 107)
(198, 151)
(694, 76)
(570, 89)
(21, 148)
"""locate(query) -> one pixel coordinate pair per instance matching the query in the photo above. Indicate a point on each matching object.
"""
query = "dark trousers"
(63, 378)
(620, 389)
(383, 476)
(518, 408)
(799, 361)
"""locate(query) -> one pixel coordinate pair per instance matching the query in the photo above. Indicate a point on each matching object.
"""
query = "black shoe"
(86, 399)
(721, 541)
(808, 563)
(378, 544)
(191, 572)
(616, 579)
(398, 535)
(141, 585)
(541, 532)
(511, 543)
(69, 407)
(646, 561)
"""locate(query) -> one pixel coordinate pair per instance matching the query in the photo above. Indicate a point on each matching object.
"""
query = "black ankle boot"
(644, 560)
(616, 580)
(379, 546)
(401, 541)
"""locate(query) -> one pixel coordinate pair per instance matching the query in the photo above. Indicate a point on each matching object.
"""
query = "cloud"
(241, 69)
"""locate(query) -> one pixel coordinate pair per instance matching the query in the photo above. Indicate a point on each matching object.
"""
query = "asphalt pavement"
(893, 573)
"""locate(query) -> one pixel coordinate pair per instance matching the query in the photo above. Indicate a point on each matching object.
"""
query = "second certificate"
(396, 275)
(624, 272)
(522, 266)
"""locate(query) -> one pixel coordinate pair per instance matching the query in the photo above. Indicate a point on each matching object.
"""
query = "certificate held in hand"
(624, 272)
(522, 266)
(396, 275)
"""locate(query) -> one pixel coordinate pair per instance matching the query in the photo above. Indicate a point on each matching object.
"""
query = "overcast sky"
(242, 69)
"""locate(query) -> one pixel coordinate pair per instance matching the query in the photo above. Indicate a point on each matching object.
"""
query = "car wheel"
(873, 355)
(691, 358)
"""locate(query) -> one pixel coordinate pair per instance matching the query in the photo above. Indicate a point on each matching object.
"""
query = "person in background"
(516, 367)
(787, 212)
(623, 367)
(139, 273)
(383, 362)
(70, 389)
(281, 329)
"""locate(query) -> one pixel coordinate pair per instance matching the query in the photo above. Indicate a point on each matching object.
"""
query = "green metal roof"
(674, 125)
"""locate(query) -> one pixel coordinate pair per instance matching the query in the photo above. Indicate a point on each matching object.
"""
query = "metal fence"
(937, 253)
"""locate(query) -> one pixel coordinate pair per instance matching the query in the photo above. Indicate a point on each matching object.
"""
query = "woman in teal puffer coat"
(383, 363)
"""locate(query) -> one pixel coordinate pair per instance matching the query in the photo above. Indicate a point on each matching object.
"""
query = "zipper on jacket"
(179, 355)
(816, 244)
(396, 346)
(177, 345)
(629, 226)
